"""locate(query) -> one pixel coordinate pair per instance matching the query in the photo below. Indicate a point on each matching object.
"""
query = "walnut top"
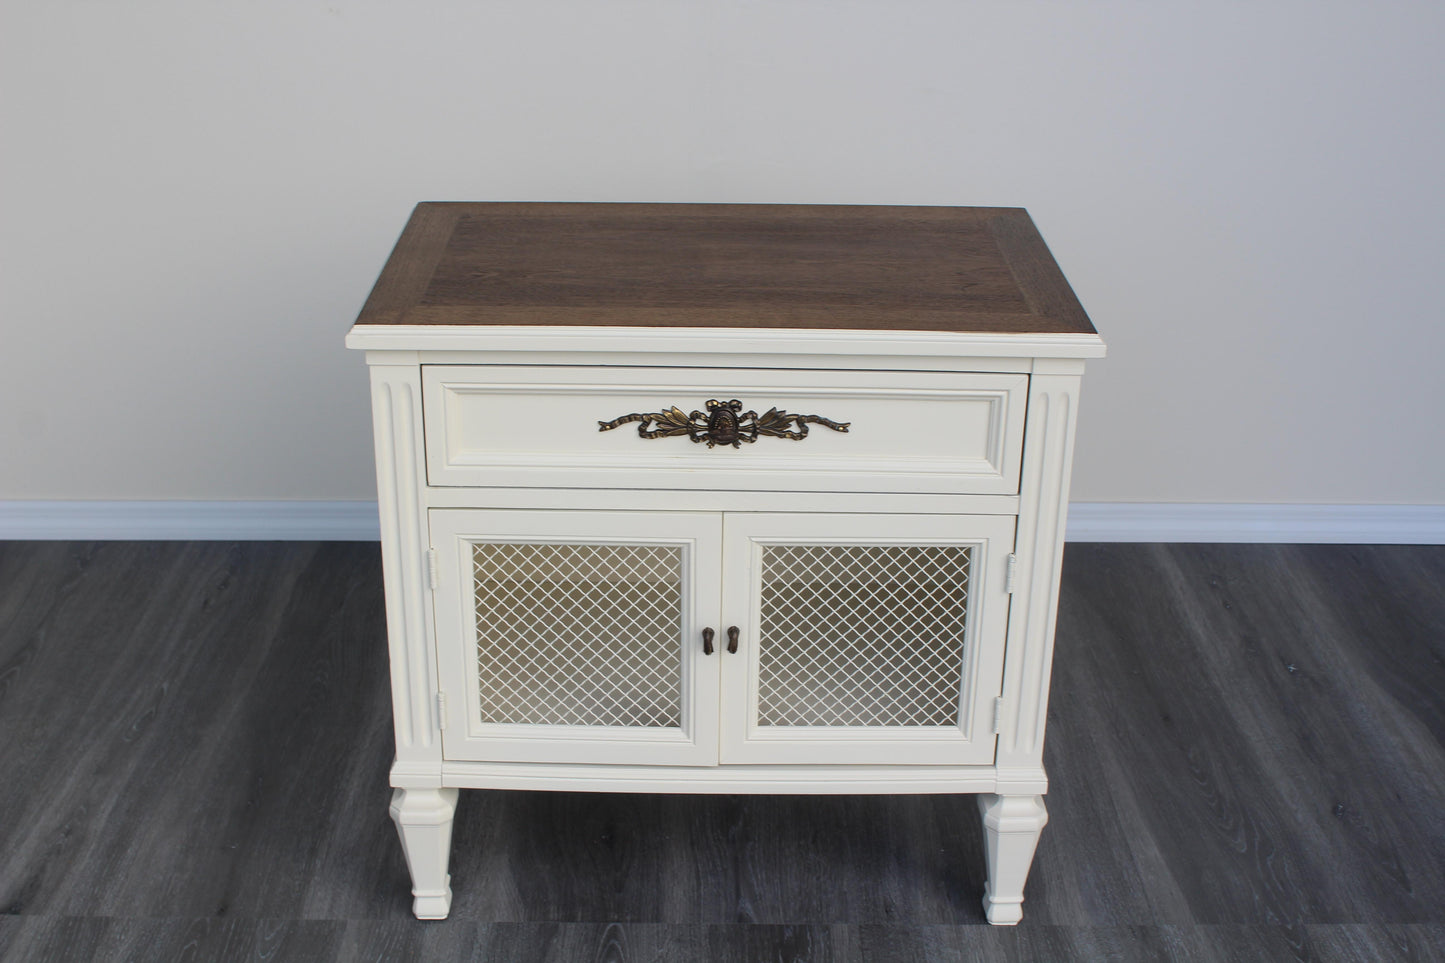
(967, 269)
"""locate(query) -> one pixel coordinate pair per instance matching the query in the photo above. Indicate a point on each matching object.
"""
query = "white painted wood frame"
(1017, 529)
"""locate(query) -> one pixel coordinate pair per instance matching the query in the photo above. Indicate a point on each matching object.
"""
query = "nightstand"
(722, 498)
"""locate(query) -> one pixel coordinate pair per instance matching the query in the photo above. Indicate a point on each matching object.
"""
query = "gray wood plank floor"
(1246, 752)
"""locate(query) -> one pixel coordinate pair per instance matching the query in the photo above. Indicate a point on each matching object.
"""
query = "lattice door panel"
(579, 635)
(576, 636)
(863, 639)
(861, 635)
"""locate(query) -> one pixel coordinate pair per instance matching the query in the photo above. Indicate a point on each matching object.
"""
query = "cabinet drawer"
(517, 425)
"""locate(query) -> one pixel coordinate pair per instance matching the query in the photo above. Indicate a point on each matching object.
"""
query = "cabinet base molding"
(791, 780)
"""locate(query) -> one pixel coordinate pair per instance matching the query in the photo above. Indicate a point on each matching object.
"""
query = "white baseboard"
(357, 521)
(1340, 524)
(190, 521)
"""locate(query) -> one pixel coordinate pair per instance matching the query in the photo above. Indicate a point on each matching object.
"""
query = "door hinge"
(1011, 573)
(432, 570)
(442, 710)
(998, 715)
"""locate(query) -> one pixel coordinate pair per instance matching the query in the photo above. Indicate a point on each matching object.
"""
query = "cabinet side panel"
(396, 412)
(1044, 498)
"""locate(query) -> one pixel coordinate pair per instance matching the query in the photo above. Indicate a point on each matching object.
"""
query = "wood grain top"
(967, 269)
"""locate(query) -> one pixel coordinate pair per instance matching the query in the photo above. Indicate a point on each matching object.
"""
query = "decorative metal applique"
(724, 423)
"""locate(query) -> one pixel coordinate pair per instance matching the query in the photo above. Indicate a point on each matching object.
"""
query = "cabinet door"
(577, 636)
(869, 639)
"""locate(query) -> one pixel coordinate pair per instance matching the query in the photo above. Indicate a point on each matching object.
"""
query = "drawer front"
(836, 431)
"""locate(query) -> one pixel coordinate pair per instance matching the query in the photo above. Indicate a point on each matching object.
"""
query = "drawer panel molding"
(537, 426)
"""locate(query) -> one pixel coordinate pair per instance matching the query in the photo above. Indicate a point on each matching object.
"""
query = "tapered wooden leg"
(1011, 827)
(423, 819)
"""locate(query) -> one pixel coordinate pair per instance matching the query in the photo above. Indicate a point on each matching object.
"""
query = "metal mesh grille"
(857, 635)
(579, 635)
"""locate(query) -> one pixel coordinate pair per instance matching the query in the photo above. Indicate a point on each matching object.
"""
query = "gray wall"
(195, 198)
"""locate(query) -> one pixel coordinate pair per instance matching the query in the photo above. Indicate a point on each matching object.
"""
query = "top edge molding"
(763, 341)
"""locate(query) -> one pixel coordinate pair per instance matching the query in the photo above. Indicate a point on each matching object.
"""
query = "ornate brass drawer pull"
(724, 423)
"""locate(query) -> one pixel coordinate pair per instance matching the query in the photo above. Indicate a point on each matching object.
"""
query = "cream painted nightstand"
(722, 498)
